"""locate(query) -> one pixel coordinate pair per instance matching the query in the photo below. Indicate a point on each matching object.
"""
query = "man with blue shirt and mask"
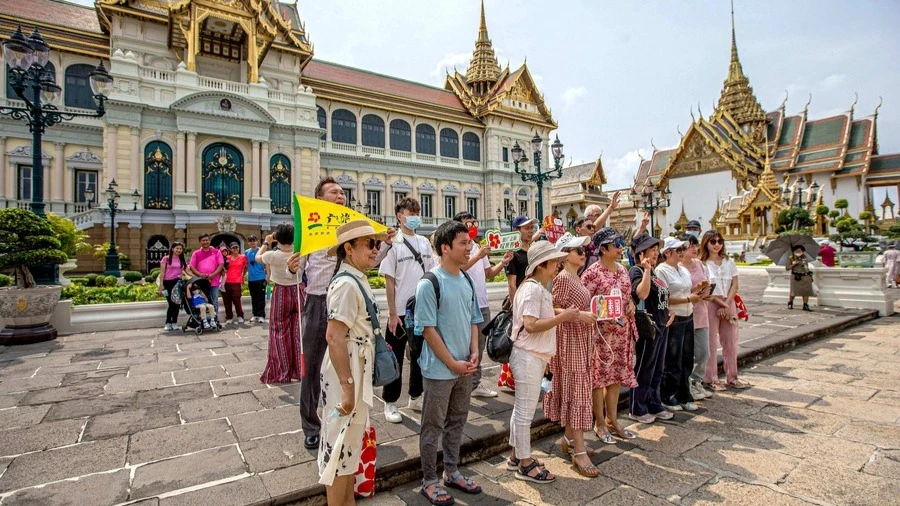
(406, 262)
(693, 228)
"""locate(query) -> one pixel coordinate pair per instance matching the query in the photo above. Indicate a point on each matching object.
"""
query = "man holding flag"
(319, 269)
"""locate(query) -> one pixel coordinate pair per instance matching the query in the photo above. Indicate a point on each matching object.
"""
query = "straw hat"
(540, 252)
(354, 230)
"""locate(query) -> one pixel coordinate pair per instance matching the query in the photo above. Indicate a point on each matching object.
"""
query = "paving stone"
(751, 463)
(274, 452)
(669, 439)
(833, 450)
(671, 475)
(150, 445)
(186, 471)
(884, 463)
(627, 496)
(22, 416)
(269, 422)
(78, 408)
(202, 374)
(106, 488)
(61, 463)
(60, 394)
(882, 435)
(289, 479)
(121, 384)
(803, 420)
(40, 437)
(874, 412)
(38, 382)
(210, 360)
(129, 421)
(236, 493)
(843, 486)
(173, 396)
(281, 395)
(206, 409)
(239, 384)
(733, 492)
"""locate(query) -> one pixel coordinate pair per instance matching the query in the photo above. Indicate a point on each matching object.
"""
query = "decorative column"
(190, 155)
(58, 172)
(264, 169)
(135, 158)
(112, 154)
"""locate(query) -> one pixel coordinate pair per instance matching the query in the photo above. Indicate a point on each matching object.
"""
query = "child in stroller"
(201, 313)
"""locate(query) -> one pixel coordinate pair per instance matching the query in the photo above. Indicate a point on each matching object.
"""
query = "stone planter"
(26, 314)
(72, 264)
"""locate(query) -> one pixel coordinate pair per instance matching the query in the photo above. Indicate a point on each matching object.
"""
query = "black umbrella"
(780, 249)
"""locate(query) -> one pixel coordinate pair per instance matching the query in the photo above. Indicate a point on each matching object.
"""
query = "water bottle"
(408, 320)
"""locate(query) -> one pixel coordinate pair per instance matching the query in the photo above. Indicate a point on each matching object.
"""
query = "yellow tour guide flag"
(316, 222)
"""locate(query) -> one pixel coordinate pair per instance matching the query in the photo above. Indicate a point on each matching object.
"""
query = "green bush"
(5, 280)
(82, 295)
(376, 282)
(91, 279)
(132, 276)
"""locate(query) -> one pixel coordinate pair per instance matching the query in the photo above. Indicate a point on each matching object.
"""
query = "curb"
(405, 471)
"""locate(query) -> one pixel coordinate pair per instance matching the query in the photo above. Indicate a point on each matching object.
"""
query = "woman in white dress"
(347, 368)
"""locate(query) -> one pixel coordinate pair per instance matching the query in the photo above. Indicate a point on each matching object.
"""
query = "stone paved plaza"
(172, 418)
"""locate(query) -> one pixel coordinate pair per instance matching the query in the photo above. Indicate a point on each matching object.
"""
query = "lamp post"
(27, 60)
(538, 177)
(650, 199)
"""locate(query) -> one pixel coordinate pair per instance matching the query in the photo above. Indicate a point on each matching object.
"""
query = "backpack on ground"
(414, 339)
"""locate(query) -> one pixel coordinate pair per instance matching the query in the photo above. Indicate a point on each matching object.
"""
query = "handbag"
(385, 368)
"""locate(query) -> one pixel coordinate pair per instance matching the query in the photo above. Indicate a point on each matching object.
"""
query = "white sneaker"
(415, 404)
(483, 391)
(227, 322)
(391, 414)
(676, 407)
(689, 406)
(240, 320)
(648, 418)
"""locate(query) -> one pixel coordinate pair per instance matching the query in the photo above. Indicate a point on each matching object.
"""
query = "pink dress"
(569, 401)
(616, 367)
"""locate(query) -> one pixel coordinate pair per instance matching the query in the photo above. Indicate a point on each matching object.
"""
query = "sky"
(620, 73)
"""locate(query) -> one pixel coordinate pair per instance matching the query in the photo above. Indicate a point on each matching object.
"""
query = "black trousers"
(397, 343)
(676, 380)
(258, 297)
(315, 319)
(172, 309)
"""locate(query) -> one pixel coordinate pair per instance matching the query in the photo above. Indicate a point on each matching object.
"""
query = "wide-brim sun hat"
(539, 253)
(354, 230)
(570, 241)
(643, 242)
(672, 243)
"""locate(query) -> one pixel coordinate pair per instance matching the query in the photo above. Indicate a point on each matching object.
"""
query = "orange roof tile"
(54, 12)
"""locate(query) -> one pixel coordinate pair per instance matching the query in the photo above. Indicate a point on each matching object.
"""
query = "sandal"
(542, 477)
(738, 384)
(512, 464)
(436, 492)
(605, 438)
(565, 445)
(589, 471)
(468, 486)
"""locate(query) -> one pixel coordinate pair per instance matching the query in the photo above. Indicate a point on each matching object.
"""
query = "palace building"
(220, 112)
(736, 169)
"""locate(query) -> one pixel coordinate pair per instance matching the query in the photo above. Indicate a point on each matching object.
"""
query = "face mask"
(413, 222)
(694, 233)
(473, 233)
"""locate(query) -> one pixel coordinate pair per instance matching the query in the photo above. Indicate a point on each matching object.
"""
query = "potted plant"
(27, 241)
(72, 241)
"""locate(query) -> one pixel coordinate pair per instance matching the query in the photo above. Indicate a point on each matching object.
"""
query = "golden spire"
(484, 69)
(737, 96)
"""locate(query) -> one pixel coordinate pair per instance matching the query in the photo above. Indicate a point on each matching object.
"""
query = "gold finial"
(784, 102)
(878, 106)
(855, 101)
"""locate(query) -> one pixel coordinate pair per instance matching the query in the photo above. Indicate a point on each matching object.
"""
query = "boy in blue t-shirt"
(449, 356)
(256, 279)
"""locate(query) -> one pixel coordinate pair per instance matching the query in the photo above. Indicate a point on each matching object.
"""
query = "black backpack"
(415, 340)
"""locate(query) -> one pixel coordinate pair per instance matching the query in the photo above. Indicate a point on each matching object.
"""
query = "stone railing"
(851, 287)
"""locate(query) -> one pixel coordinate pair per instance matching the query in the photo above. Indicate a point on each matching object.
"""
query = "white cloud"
(833, 81)
(448, 62)
(620, 172)
(571, 95)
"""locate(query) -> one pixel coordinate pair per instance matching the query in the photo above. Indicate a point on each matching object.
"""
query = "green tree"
(842, 204)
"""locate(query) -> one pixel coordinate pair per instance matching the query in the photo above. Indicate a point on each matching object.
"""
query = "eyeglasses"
(716, 241)
(579, 250)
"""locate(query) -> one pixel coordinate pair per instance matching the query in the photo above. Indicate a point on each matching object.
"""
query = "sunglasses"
(716, 241)
(579, 250)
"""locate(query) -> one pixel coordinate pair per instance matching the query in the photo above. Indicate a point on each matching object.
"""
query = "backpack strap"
(415, 254)
(370, 304)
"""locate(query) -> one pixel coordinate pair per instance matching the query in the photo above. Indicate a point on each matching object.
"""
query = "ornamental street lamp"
(27, 61)
(538, 177)
(650, 199)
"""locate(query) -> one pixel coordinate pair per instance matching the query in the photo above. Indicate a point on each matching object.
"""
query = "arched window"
(471, 147)
(449, 143)
(78, 86)
(280, 184)
(425, 139)
(401, 135)
(11, 93)
(343, 126)
(372, 131)
(223, 177)
(323, 122)
(157, 176)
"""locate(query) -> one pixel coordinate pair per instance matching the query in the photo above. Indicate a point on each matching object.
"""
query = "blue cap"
(521, 221)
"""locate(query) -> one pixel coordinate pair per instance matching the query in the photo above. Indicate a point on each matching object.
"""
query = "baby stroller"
(194, 320)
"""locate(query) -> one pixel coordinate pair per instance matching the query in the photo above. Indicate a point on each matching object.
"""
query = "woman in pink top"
(234, 280)
(699, 276)
(171, 269)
